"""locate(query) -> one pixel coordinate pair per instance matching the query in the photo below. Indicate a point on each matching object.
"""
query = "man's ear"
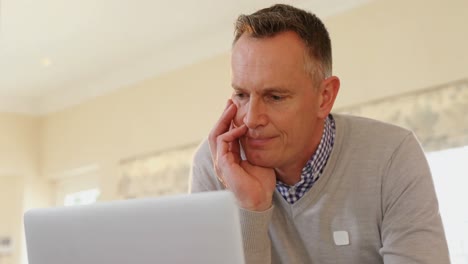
(328, 92)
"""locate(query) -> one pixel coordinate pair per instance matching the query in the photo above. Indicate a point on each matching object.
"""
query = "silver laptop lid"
(195, 228)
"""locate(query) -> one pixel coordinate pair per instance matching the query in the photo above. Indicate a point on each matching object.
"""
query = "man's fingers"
(224, 122)
(221, 126)
(221, 180)
(234, 147)
(223, 138)
(228, 103)
(224, 141)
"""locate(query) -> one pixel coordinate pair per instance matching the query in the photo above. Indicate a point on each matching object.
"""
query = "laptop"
(190, 228)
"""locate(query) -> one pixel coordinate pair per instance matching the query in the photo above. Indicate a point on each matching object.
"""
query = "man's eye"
(276, 97)
(241, 95)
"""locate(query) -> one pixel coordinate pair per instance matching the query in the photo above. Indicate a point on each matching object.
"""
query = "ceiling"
(56, 53)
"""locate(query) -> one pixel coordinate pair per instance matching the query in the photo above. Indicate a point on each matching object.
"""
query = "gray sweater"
(374, 203)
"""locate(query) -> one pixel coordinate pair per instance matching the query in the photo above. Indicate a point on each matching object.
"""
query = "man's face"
(276, 99)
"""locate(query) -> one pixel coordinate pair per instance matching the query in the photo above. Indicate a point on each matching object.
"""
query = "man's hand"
(252, 185)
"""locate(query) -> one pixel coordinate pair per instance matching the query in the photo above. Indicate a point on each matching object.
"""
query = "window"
(82, 197)
(77, 186)
(450, 173)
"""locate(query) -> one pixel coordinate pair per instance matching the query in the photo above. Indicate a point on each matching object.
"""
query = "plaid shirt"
(313, 168)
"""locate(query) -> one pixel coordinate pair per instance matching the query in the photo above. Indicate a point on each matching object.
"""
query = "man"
(313, 187)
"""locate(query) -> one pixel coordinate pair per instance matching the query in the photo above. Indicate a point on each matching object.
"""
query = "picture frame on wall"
(156, 174)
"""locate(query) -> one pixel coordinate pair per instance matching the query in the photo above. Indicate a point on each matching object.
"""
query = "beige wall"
(20, 184)
(19, 141)
(391, 47)
(11, 198)
(171, 110)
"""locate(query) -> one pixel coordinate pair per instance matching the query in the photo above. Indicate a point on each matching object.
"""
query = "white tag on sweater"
(341, 238)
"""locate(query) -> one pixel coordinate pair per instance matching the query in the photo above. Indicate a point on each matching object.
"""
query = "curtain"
(438, 116)
(156, 174)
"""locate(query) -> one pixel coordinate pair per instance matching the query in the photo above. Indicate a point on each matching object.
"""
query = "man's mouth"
(257, 142)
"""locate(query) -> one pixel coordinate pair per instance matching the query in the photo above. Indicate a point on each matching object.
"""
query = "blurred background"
(108, 99)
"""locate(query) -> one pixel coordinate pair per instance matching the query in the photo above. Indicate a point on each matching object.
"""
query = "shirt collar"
(314, 166)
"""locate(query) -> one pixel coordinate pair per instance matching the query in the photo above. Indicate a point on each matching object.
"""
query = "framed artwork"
(156, 174)
(436, 115)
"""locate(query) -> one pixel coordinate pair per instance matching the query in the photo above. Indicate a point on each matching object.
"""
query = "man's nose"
(255, 114)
